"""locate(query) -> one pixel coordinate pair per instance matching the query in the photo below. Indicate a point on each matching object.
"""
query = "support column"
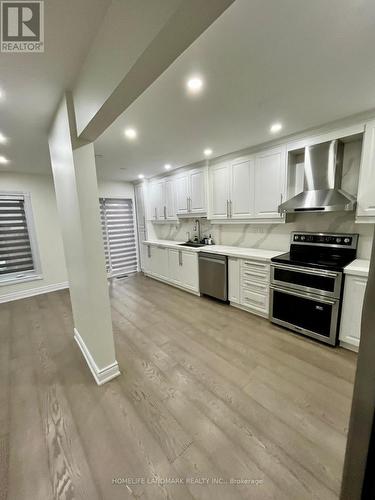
(77, 198)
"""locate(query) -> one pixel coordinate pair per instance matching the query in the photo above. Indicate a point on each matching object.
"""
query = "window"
(119, 235)
(18, 255)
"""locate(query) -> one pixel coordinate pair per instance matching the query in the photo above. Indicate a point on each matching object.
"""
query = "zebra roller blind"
(15, 248)
(119, 235)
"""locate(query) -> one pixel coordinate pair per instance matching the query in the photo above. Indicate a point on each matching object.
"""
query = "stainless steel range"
(307, 283)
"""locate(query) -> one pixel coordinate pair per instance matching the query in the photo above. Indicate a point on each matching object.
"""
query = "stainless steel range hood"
(322, 182)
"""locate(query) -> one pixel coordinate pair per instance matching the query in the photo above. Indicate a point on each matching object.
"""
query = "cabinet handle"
(231, 209)
(149, 251)
(180, 258)
(281, 200)
(156, 213)
(187, 204)
(165, 212)
(227, 209)
(144, 221)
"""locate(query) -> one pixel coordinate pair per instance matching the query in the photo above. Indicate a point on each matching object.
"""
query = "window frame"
(36, 273)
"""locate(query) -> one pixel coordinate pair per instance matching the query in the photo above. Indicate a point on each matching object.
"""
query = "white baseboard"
(102, 375)
(24, 294)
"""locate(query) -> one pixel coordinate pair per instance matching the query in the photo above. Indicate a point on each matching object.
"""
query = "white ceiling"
(303, 63)
(33, 83)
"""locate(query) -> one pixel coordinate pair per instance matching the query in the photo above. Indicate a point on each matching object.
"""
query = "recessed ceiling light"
(167, 166)
(131, 133)
(276, 127)
(207, 152)
(3, 160)
(3, 139)
(194, 84)
(141, 176)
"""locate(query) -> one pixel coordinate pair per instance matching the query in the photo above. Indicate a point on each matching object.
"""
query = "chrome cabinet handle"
(187, 204)
(165, 212)
(144, 221)
(156, 213)
(306, 270)
(148, 251)
(180, 258)
(227, 209)
(231, 209)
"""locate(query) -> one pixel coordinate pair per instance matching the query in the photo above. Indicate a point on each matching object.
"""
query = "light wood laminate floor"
(206, 392)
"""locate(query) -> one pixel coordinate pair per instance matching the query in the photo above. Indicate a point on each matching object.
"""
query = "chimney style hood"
(322, 182)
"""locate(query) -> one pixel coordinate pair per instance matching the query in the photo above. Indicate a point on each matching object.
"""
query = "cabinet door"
(197, 181)
(159, 262)
(233, 280)
(182, 193)
(174, 266)
(366, 188)
(219, 191)
(269, 178)
(160, 200)
(351, 315)
(147, 262)
(242, 189)
(170, 199)
(189, 270)
(152, 200)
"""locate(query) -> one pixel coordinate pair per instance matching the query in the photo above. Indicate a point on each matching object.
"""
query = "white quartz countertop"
(230, 251)
(359, 267)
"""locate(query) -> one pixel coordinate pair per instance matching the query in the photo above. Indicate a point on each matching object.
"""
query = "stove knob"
(302, 238)
(347, 240)
(296, 237)
(338, 240)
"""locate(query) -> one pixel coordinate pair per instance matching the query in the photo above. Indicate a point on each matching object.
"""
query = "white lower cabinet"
(234, 280)
(178, 267)
(354, 293)
(159, 262)
(249, 284)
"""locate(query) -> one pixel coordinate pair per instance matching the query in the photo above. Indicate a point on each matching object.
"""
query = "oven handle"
(305, 295)
(306, 270)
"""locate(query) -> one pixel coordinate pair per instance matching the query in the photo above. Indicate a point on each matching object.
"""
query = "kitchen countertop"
(230, 251)
(359, 267)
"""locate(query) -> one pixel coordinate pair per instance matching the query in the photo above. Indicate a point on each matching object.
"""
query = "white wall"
(47, 228)
(116, 189)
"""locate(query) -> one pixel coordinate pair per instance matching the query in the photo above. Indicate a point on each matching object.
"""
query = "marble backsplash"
(270, 236)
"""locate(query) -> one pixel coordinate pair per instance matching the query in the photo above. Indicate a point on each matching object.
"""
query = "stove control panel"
(325, 239)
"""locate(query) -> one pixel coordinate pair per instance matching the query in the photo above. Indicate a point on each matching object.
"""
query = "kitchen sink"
(192, 244)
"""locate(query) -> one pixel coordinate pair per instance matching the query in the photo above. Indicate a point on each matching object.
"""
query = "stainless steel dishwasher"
(213, 275)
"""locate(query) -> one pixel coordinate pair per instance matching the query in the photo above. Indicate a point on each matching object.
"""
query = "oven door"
(312, 315)
(307, 279)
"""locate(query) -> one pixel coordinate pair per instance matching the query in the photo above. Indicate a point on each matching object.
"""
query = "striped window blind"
(16, 256)
(119, 235)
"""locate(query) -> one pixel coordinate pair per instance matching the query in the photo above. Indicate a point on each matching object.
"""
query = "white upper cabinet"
(366, 188)
(198, 189)
(191, 189)
(162, 199)
(182, 193)
(219, 191)
(269, 183)
(170, 199)
(249, 188)
(242, 182)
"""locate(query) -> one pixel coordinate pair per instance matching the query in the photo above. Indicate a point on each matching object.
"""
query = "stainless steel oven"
(313, 315)
(305, 279)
